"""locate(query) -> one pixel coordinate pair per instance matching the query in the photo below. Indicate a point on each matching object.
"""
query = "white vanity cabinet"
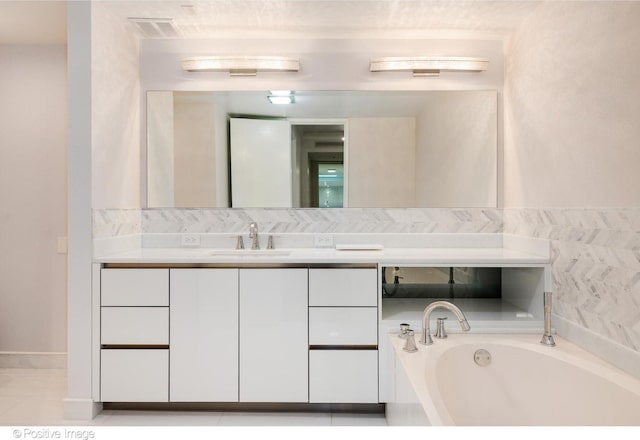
(273, 335)
(204, 335)
(238, 334)
(134, 335)
(343, 335)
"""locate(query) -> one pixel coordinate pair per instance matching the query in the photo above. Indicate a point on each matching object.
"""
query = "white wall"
(572, 106)
(33, 136)
(160, 150)
(115, 118)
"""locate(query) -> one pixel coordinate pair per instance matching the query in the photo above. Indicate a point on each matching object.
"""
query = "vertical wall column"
(78, 404)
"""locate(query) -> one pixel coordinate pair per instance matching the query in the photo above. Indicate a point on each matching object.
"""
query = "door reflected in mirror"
(320, 149)
(327, 150)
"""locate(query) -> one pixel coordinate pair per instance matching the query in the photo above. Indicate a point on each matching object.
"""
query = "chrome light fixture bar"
(240, 65)
(428, 66)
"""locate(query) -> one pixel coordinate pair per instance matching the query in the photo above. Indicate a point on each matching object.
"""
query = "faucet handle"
(440, 331)
(239, 242)
(404, 329)
(410, 343)
(270, 242)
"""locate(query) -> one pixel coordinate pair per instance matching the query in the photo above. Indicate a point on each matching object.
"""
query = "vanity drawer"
(134, 375)
(343, 287)
(134, 287)
(343, 326)
(343, 376)
(134, 326)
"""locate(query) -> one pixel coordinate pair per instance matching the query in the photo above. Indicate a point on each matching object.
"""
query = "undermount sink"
(249, 253)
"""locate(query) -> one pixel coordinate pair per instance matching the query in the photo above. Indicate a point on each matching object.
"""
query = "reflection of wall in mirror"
(381, 156)
(456, 162)
(181, 151)
(195, 155)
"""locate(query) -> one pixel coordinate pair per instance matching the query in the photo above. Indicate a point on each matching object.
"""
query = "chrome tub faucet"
(426, 316)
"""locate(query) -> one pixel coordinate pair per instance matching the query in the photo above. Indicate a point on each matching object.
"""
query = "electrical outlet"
(190, 240)
(323, 240)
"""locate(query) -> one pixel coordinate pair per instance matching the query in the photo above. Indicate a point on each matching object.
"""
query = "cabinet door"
(273, 335)
(134, 287)
(343, 326)
(134, 375)
(343, 287)
(204, 335)
(134, 326)
(343, 376)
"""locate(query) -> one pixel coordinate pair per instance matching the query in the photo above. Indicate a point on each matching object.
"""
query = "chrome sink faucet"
(426, 316)
(253, 235)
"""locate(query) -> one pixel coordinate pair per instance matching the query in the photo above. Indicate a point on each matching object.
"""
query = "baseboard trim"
(31, 359)
(365, 408)
(80, 409)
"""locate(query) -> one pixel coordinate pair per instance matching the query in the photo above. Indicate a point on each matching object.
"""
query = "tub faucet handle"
(547, 337)
(404, 328)
(410, 343)
(440, 331)
(253, 235)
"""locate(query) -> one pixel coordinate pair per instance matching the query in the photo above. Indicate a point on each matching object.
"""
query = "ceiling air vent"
(155, 27)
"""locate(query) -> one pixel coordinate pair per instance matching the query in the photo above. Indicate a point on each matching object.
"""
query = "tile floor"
(33, 397)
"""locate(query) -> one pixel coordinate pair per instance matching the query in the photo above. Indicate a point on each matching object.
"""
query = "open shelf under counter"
(494, 300)
(485, 315)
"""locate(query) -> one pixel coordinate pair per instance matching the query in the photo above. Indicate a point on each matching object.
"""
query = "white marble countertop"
(391, 256)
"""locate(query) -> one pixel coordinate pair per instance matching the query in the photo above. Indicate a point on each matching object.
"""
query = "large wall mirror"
(324, 149)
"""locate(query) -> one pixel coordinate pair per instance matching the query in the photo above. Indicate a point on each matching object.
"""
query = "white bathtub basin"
(526, 383)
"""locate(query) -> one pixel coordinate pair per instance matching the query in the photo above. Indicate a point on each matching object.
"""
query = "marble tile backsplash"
(116, 222)
(595, 265)
(351, 220)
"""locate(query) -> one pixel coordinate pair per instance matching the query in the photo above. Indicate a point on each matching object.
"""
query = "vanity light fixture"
(281, 92)
(428, 66)
(281, 97)
(281, 100)
(240, 65)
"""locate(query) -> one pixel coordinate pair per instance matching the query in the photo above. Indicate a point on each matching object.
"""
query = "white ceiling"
(332, 18)
(44, 22)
